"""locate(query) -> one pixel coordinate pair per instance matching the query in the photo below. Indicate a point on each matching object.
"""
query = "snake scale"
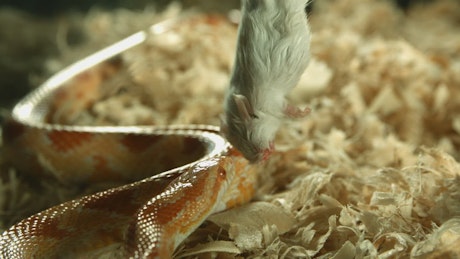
(180, 173)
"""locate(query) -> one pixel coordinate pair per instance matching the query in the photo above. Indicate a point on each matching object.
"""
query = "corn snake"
(145, 219)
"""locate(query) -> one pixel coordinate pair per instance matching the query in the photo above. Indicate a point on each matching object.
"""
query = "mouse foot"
(295, 112)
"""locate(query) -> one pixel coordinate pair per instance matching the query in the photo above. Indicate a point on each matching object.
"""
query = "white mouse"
(273, 50)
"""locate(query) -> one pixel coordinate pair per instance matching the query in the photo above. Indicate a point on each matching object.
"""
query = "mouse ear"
(244, 107)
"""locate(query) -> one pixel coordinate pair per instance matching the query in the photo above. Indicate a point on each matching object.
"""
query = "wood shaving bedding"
(372, 172)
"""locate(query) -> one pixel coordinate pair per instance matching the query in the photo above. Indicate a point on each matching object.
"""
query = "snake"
(178, 174)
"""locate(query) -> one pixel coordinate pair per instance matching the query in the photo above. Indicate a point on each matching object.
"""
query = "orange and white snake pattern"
(145, 219)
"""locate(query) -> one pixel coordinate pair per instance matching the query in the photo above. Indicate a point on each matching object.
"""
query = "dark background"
(51, 7)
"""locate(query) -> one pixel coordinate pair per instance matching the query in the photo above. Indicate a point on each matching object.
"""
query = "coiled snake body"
(144, 219)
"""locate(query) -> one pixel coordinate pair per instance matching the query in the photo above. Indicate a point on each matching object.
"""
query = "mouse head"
(251, 134)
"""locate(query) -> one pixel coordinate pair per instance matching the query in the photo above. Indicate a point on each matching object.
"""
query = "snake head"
(251, 132)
